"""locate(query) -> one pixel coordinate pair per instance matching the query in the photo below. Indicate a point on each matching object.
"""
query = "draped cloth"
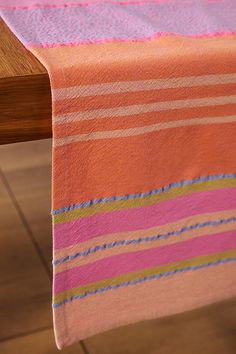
(144, 155)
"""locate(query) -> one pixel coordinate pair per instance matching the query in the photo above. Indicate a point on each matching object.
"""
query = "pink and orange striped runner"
(144, 155)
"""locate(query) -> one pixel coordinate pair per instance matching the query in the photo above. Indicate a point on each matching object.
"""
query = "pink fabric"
(134, 261)
(87, 228)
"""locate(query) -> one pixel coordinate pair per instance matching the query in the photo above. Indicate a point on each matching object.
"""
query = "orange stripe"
(106, 124)
(142, 85)
(83, 104)
(140, 163)
(166, 57)
(126, 133)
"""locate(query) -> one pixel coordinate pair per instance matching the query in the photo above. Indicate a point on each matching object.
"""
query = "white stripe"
(144, 108)
(142, 85)
(142, 130)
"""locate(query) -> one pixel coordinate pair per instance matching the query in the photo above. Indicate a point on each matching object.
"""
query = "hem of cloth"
(151, 300)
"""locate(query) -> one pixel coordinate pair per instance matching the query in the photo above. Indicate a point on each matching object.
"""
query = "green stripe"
(147, 201)
(196, 261)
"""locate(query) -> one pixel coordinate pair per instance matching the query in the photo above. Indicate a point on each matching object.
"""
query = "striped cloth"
(144, 155)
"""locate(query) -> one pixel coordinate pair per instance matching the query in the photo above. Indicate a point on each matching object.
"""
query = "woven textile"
(144, 155)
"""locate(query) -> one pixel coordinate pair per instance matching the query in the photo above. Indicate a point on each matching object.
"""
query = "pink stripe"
(28, 4)
(134, 261)
(128, 40)
(161, 213)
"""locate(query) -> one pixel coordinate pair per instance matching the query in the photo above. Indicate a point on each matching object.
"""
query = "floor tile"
(36, 343)
(25, 288)
(210, 330)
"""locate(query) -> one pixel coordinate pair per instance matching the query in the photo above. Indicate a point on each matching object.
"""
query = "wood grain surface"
(25, 96)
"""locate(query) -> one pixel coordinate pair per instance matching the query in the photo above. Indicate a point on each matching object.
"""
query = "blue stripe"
(140, 280)
(142, 239)
(143, 194)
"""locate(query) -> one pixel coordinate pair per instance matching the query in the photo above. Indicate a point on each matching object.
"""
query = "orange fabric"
(204, 144)
(129, 121)
(126, 99)
(144, 156)
(165, 57)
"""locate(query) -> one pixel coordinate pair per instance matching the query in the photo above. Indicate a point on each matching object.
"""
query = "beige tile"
(37, 343)
(210, 330)
(25, 289)
(25, 155)
(32, 190)
(31, 182)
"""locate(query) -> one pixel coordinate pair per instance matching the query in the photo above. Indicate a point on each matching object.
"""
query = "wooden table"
(25, 97)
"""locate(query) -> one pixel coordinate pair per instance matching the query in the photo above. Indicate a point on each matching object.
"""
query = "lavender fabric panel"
(108, 21)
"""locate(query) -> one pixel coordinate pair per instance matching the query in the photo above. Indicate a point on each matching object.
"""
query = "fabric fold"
(144, 155)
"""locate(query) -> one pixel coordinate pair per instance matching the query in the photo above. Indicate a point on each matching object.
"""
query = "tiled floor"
(25, 278)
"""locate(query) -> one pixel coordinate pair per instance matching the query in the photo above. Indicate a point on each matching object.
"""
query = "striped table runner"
(144, 155)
